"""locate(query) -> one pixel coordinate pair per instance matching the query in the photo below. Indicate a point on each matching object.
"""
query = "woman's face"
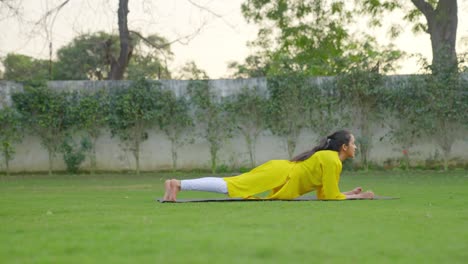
(350, 149)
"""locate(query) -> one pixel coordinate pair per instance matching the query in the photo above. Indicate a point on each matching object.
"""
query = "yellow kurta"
(289, 180)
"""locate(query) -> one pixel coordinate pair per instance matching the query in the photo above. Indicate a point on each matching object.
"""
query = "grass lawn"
(114, 218)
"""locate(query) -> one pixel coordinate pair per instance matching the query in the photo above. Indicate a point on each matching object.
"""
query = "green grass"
(114, 218)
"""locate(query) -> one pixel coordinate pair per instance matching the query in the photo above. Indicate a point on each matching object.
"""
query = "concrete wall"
(7, 88)
(156, 152)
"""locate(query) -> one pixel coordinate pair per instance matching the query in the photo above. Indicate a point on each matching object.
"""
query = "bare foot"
(167, 187)
(172, 188)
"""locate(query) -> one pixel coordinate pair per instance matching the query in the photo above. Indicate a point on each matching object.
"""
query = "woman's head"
(341, 141)
(336, 140)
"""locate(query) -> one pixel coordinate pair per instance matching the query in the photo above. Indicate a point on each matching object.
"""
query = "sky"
(219, 34)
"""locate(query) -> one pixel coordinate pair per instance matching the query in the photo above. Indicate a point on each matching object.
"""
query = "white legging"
(206, 184)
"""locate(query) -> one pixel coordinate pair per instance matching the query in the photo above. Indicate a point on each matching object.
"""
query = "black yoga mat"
(299, 199)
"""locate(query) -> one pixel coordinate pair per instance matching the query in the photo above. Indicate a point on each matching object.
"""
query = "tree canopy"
(313, 36)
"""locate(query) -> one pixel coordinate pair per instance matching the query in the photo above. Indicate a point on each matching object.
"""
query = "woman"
(318, 169)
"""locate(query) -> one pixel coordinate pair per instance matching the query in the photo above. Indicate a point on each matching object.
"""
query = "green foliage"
(149, 58)
(90, 112)
(73, 153)
(302, 36)
(86, 57)
(89, 56)
(211, 117)
(24, 68)
(254, 66)
(147, 67)
(325, 113)
(311, 36)
(287, 107)
(248, 111)
(438, 18)
(47, 114)
(190, 71)
(434, 106)
(407, 126)
(175, 120)
(362, 90)
(11, 132)
(134, 111)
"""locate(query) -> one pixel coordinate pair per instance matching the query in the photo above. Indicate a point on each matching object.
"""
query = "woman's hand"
(367, 195)
(357, 190)
(360, 195)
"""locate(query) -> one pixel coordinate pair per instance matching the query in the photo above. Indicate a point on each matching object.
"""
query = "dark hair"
(332, 142)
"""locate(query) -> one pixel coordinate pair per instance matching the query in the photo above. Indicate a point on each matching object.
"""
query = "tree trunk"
(7, 164)
(214, 157)
(366, 137)
(119, 66)
(442, 25)
(136, 153)
(446, 141)
(250, 146)
(291, 146)
(51, 156)
(174, 154)
(93, 156)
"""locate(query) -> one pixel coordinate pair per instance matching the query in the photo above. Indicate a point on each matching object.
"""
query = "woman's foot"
(172, 188)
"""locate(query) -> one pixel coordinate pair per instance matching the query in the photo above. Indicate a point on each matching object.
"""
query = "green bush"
(74, 154)
(11, 132)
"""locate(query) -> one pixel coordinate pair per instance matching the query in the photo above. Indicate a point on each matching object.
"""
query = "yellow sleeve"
(330, 179)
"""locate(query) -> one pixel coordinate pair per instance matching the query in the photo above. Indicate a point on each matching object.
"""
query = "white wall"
(156, 152)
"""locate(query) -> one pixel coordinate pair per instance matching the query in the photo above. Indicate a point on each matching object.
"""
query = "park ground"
(114, 218)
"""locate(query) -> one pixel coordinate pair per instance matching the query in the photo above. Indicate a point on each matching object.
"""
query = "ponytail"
(331, 142)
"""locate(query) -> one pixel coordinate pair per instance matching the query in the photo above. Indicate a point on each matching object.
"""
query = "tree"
(442, 103)
(116, 58)
(441, 24)
(119, 65)
(74, 153)
(24, 68)
(286, 107)
(87, 57)
(11, 133)
(254, 66)
(248, 110)
(134, 111)
(260, 63)
(10, 8)
(361, 90)
(211, 117)
(91, 116)
(303, 36)
(47, 114)
(362, 87)
(118, 54)
(190, 71)
(324, 111)
(313, 32)
(175, 120)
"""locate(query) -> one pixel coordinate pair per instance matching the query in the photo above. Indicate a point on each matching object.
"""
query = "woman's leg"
(207, 184)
